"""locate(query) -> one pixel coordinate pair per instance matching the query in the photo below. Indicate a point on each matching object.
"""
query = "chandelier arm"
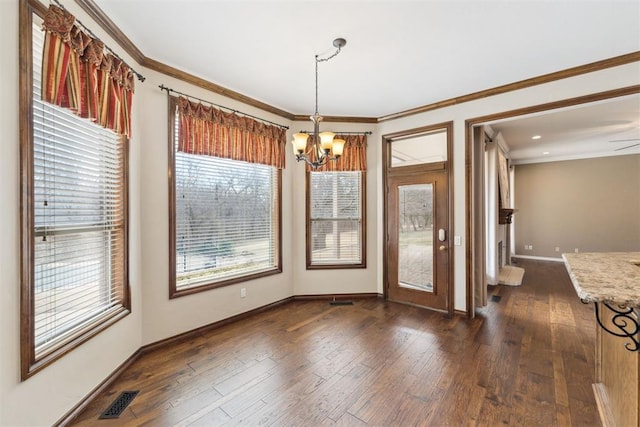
(314, 164)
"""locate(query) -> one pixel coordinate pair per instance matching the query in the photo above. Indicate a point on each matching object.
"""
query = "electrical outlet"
(557, 248)
(243, 292)
(530, 247)
(576, 250)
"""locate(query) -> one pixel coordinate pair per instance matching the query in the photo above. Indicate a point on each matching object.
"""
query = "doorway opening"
(476, 198)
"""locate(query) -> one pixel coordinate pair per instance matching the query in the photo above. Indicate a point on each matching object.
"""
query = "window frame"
(30, 364)
(174, 292)
(363, 227)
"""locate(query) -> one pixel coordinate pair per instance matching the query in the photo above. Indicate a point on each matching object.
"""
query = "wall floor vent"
(340, 302)
(119, 405)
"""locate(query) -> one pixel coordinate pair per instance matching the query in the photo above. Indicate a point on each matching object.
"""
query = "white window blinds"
(79, 221)
(227, 215)
(335, 216)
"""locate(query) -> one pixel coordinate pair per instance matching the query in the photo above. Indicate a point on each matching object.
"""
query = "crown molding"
(167, 70)
(522, 84)
(101, 18)
(337, 119)
(98, 15)
(584, 99)
(564, 158)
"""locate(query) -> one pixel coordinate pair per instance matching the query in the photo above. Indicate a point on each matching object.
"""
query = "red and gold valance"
(212, 132)
(354, 156)
(79, 75)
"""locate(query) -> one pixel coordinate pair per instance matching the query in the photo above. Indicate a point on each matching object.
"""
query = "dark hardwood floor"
(526, 360)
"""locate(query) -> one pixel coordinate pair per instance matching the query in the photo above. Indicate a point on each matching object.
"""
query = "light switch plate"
(457, 240)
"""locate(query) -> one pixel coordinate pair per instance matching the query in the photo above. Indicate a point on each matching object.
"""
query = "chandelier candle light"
(323, 145)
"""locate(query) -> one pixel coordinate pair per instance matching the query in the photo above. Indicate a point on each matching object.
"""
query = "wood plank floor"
(526, 360)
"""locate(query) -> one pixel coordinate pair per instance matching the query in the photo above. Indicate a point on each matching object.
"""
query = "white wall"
(63, 384)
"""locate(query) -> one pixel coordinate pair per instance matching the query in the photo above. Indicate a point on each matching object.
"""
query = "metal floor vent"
(119, 405)
(496, 298)
(341, 302)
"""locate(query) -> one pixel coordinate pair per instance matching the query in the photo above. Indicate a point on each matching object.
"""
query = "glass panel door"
(418, 244)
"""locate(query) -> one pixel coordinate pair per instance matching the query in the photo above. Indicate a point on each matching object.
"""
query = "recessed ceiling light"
(536, 137)
(545, 152)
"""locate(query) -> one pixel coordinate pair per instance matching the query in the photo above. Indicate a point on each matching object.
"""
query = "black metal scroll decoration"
(623, 320)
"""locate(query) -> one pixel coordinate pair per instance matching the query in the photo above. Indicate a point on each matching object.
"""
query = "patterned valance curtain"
(354, 156)
(212, 132)
(79, 75)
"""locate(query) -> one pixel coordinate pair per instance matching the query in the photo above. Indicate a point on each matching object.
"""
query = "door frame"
(471, 257)
(386, 165)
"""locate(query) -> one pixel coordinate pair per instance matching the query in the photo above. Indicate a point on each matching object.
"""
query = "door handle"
(442, 247)
(442, 235)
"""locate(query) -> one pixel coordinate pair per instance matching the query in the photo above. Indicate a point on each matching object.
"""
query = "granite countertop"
(611, 277)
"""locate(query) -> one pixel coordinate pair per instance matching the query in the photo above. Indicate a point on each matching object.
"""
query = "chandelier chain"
(329, 57)
(316, 85)
(318, 60)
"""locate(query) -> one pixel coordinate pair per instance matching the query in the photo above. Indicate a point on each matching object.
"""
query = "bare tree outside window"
(415, 235)
(225, 218)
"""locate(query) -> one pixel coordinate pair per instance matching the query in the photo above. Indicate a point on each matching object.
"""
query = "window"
(225, 224)
(74, 225)
(335, 220)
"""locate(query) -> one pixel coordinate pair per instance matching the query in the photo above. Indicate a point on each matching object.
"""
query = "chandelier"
(324, 147)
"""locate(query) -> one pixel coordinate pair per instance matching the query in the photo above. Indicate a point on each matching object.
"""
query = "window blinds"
(226, 219)
(335, 217)
(79, 217)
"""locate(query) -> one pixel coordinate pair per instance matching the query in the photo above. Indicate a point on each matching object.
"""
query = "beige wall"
(47, 395)
(600, 81)
(60, 386)
(164, 317)
(590, 204)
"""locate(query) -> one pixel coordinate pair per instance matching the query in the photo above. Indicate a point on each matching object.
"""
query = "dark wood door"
(418, 240)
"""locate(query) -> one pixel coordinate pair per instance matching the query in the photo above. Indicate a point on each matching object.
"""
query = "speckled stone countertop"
(611, 277)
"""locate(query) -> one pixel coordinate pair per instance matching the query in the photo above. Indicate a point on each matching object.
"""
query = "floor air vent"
(496, 298)
(119, 405)
(338, 302)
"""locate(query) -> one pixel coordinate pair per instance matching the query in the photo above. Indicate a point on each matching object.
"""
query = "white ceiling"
(399, 55)
(606, 128)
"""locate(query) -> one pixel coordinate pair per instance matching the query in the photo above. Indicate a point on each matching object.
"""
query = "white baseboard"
(538, 258)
